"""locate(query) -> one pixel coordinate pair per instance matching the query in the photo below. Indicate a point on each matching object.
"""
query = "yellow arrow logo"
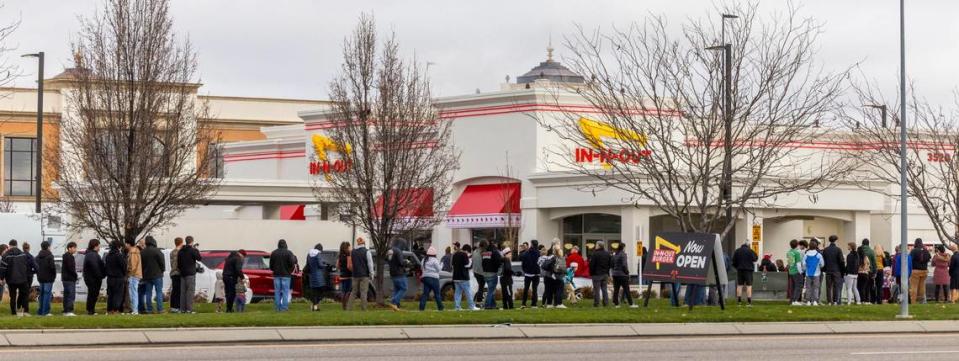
(663, 243)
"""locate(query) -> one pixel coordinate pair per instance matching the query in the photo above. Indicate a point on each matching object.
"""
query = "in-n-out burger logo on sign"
(322, 145)
(594, 132)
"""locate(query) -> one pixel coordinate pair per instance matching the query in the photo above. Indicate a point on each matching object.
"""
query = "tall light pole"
(883, 110)
(903, 163)
(39, 152)
(727, 182)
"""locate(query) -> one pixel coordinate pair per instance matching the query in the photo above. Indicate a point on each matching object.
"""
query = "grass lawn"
(331, 315)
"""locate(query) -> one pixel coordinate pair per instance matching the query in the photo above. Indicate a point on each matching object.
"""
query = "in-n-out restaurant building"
(545, 203)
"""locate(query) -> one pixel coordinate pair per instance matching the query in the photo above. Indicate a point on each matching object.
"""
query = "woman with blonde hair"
(882, 260)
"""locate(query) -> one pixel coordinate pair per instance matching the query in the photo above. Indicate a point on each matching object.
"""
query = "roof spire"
(549, 48)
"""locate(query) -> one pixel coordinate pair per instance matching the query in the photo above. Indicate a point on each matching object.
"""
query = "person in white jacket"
(431, 279)
(811, 265)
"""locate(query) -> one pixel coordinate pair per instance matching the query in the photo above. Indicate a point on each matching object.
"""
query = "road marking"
(902, 352)
(335, 344)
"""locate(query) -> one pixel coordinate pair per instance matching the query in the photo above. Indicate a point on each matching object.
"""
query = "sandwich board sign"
(686, 258)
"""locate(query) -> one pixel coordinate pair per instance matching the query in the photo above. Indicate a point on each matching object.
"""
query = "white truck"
(31, 228)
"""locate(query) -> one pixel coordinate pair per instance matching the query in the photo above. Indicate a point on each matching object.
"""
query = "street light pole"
(727, 182)
(903, 163)
(883, 110)
(38, 190)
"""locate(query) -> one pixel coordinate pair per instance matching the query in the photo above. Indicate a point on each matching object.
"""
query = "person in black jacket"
(187, 258)
(46, 275)
(491, 262)
(115, 266)
(94, 270)
(15, 268)
(232, 270)
(954, 275)
(920, 270)
(833, 267)
(153, 265)
(282, 263)
(744, 260)
(398, 268)
(461, 278)
(600, 263)
(68, 278)
(851, 278)
(531, 271)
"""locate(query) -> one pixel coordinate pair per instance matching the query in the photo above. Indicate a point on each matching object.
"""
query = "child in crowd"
(568, 283)
(888, 281)
(506, 279)
(219, 292)
(242, 284)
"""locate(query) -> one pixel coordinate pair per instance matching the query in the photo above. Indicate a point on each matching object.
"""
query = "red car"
(256, 266)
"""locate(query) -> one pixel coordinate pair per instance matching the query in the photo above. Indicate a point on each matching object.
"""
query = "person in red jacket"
(575, 257)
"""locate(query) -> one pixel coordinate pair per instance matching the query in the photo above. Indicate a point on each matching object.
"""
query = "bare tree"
(131, 157)
(659, 129)
(932, 138)
(397, 149)
(5, 205)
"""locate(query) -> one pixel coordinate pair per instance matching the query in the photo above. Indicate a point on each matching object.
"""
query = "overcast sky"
(291, 48)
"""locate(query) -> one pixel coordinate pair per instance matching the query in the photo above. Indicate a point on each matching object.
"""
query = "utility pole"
(903, 163)
(38, 190)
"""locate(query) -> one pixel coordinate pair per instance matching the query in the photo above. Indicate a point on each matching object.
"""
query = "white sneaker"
(69, 314)
(475, 309)
(617, 306)
(808, 304)
(797, 303)
(561, 306)
(815, 303)
(633, 306)
(48, 315)
(549, 306)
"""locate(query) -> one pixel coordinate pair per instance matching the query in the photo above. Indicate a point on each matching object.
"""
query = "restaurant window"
(19, 160)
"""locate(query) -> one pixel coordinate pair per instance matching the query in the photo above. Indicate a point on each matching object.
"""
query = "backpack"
(548, 265)
(812, 264)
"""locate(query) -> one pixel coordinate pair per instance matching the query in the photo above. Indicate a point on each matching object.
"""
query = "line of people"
(866, 275)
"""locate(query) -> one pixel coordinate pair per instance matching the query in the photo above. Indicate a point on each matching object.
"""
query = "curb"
(198, 336)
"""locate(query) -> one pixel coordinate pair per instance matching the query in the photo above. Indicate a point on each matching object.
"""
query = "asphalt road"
(765, 348)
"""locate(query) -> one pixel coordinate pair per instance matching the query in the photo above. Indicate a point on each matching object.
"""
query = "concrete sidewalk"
(15, 338)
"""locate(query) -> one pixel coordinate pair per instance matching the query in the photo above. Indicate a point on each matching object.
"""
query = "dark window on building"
(19, 166)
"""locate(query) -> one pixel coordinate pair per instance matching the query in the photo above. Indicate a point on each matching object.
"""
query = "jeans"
(281, 292)
(431, 284)
(93, 294)
(621, 282)
(240, 303)
(187, 291)
(833, 287)
(695, 295)
(399, 289)
(559, 286)
(812, 288)
(462, 290)
(114, 294)
(229, 288)
(850, 284)
(481, 283)
(175, 292)
(674, 294)
(548, 290)
(152, 286)
(134, 286)
(141, 296)
(361, 286)
(345, 290)
(529, 282)
(797, 283)
(865, 287)
(599, 287)
(491, 292)
(46, 295)
(69, 295)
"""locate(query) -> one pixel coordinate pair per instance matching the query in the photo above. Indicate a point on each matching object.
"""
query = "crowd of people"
(855, 274)
(134, 274)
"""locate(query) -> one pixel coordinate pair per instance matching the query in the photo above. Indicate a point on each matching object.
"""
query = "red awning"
(293, 212)
(486, 205)
(410, 203)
